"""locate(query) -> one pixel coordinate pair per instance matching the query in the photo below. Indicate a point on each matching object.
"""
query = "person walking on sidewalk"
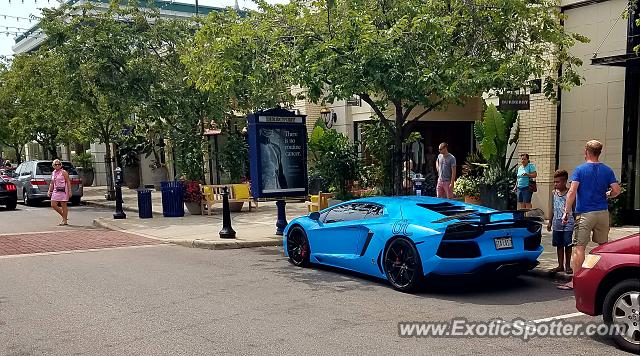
(561, 235)
(60, 190)
(526, 172)
(446, 168)
(592, 183)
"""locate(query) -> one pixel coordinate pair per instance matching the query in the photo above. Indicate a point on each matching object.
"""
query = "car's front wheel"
(298, 247)
(402, 265)
(622, 308)
(75, 201)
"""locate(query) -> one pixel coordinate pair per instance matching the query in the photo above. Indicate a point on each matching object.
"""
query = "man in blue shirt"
(592, 183)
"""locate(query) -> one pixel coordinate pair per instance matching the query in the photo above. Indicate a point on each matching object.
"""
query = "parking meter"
(119, 214)
(119, 179)
(418, 180)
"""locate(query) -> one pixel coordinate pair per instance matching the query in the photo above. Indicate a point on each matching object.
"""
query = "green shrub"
(84, 160)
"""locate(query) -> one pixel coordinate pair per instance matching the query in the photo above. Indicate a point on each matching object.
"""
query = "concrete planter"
(159, 175)
(86, 175)
(193, 208)
(236, 206)
(472, 200)
(132, 177)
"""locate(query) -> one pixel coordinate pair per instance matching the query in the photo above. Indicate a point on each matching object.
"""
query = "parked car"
(405, 239)
(609, 284)
(8, 195)
(6, 172)
(32, 179)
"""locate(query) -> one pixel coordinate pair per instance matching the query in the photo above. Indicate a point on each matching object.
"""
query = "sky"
(15, 16)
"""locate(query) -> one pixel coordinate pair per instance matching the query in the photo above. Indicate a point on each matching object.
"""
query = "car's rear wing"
(485, 218)
(470, 228)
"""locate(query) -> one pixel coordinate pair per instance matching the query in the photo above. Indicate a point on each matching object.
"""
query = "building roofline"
(161, 5)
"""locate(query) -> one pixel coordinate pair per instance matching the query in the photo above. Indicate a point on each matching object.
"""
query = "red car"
(609, 284)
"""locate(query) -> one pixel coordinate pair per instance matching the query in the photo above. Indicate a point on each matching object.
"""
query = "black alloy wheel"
(402, 265)
(298, 247)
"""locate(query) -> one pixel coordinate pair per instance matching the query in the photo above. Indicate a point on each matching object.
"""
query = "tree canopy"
(404, 58)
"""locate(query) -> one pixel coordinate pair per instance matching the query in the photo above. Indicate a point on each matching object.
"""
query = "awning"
(621, 60)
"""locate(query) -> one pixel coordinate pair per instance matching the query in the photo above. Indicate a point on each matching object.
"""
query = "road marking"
(80, 251)
(559, 317)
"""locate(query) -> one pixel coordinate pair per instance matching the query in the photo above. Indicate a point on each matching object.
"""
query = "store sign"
(514, 102)
(278, 154)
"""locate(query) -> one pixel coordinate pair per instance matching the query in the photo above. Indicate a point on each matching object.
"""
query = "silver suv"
(32, 179)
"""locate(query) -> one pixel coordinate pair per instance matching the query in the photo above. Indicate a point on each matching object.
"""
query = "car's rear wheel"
(298, 247)
(11, 206)
(75, 201)
(622, 307)
(402, 265)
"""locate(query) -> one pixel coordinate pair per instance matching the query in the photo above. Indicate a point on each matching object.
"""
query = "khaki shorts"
(593, 221)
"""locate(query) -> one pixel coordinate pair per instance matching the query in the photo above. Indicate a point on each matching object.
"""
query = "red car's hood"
(629, 245)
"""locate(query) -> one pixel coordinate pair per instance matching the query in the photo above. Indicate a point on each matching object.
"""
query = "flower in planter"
(467, 186)
(192, 191)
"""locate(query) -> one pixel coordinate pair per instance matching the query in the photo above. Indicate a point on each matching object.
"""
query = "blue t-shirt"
(595, 179)
(523, 182)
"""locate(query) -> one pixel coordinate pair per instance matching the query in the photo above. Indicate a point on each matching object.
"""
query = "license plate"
(503, 243)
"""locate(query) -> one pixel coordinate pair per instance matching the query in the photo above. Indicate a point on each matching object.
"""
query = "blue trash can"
(145, 210)
(172, 199)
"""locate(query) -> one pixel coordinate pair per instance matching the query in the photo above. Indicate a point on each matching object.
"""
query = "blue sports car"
(404, 239)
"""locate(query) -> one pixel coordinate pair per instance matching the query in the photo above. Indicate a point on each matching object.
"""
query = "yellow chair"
(318, 202)
(241, 192)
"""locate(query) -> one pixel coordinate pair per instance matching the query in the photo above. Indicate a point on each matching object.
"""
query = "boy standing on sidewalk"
(562, 234)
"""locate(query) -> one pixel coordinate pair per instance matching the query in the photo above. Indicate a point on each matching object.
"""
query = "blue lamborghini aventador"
(404, 239)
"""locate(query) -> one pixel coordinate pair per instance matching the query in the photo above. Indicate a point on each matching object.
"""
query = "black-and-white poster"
(282, 159)
(278, 154)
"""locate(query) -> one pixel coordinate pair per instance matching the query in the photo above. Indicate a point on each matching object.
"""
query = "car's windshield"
(46, 168)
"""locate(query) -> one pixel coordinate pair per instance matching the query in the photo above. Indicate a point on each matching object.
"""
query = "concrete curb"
(113, 207)
(197, 243)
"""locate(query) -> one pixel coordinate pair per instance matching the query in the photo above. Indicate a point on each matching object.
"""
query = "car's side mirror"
(314, 216)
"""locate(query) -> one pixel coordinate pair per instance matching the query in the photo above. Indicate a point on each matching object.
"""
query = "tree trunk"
(397, 150)
(108, 168)
(18, 153)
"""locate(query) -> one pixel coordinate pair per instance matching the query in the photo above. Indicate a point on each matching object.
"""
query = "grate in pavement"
(68, 240)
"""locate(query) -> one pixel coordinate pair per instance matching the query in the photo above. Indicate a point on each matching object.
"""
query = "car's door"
(16, 179)
(343, 233)
(25, 176)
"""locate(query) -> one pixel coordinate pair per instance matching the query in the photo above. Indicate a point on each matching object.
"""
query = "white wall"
(595, 109)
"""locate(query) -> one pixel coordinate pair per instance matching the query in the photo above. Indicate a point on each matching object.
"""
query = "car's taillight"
(38, 182)
(10, 187)
(76, 181)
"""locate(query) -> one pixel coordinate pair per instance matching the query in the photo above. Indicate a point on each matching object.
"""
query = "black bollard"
(281, 223)
(227, 231)
(119, 214)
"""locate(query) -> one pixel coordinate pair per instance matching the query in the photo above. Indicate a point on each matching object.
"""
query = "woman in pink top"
(60, 190)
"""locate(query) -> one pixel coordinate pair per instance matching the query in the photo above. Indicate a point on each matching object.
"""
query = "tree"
(405, 58)
(10, 135)
(103, 54)
(42, 110)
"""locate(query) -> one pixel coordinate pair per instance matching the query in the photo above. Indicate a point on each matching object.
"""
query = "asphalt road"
(171, 300)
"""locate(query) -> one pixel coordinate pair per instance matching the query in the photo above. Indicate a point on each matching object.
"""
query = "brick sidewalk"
(68, 240)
